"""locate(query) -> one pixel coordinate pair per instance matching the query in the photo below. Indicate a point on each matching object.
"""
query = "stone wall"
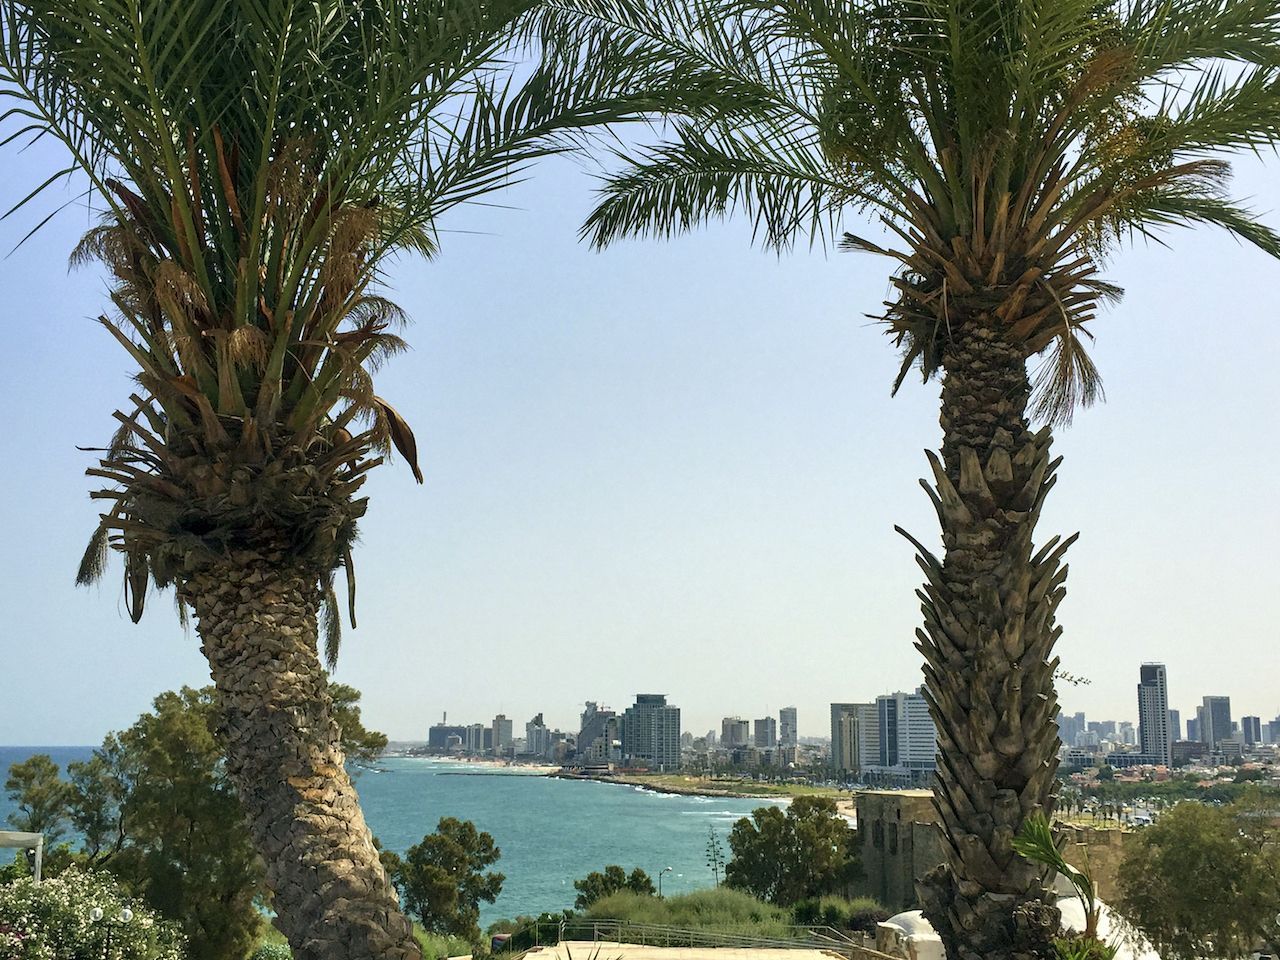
(899, 840)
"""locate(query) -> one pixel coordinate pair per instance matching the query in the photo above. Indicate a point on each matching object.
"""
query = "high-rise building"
(1175, 726)
(503, 735)
(651, 732)
(854, 737)
(734, 732)
(1153, 714)
(537, 737)
(1273, 731)
(595, 724)
(1193, 727)
(842, 749)
(1215, 720)
(474, 737)
(1071, 728)
(908, 738)
(766, 732)
(1251, 730)
(788, 734)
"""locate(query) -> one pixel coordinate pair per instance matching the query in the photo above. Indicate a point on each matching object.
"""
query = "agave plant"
(257, 162)
(1005, 147)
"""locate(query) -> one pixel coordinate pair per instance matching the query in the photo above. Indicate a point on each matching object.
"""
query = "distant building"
(1184, 751)
(473, 738)
(537, 738)
(766, 732)
(1071, 729)
(1193, 727)
(595, 726)
(907, 738)
(1251, 730)
(1215, 720)
(1175, 726)
(1273, 731)
(845, 736)
(1153, 714)
(788, 733)
(503, 735)
(734, 732)
(651, 733)
(439, 733)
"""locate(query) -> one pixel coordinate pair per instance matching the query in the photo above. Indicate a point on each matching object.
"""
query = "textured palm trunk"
(988, 646)
(257, 624)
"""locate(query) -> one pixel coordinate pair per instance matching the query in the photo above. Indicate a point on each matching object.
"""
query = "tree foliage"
(153, 807)
(443, 879)
(597, 885)
(41, 796)
(1203, 881)
(808, 851)
(252, 200)
(1004, 147)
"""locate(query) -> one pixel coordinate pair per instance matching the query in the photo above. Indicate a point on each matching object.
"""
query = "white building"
(788, 734)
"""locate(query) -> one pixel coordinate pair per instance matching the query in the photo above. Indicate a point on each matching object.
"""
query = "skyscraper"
(651, 732)
(788, 734)
(502, 735)
(1153, 713)
(1251, 730)
(537, 737)
(766, 730)
(594, 726)
(906, 734)
(1215, 720)
(734, 732)
(1175, 726)
(841, 749)
(854, 737)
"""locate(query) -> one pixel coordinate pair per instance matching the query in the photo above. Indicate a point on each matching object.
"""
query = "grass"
(722, 910)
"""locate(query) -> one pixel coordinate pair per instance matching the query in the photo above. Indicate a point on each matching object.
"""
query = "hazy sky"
(675, 468)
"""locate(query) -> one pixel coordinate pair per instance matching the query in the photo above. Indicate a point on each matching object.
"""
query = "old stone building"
(899, 841)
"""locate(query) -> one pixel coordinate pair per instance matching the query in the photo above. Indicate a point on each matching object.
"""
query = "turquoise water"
(550, 831)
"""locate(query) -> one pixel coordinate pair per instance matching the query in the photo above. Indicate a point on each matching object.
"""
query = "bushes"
(272, 951)
(861, 914)
(725, 910)
(53, 920)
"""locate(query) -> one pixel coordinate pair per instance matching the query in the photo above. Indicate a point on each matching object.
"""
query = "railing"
(547, 933)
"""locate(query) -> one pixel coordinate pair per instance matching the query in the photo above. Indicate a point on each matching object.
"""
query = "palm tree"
(1005, 146)
(258, 161)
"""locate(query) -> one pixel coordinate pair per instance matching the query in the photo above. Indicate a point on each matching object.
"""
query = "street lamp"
(660, 873)
(122, 919)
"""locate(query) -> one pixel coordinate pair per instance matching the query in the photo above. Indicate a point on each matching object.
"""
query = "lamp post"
(122, 919)
(660, 873)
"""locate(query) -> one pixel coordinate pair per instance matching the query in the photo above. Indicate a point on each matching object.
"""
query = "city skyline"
(707, 469)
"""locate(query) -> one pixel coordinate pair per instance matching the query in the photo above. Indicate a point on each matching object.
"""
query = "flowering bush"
(60, 918)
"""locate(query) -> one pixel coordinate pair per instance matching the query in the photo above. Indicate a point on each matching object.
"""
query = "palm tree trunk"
(257, 623)
(987, 642)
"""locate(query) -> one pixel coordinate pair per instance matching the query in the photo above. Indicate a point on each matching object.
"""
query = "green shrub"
(436, 947)
(723, 909)
(54, 919)
(272, 951)
(861, 914)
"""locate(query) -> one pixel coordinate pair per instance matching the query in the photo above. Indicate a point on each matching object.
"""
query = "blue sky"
(675, 467)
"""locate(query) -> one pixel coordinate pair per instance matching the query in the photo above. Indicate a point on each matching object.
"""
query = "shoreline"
(644, 784)
(845, 806)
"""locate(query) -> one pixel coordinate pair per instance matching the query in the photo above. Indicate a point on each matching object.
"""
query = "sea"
(550, 831)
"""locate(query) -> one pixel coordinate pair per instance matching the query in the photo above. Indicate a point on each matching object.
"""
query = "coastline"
(845, 806)
(645, 783)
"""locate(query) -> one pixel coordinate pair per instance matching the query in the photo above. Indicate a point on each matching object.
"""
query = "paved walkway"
(586, 950)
